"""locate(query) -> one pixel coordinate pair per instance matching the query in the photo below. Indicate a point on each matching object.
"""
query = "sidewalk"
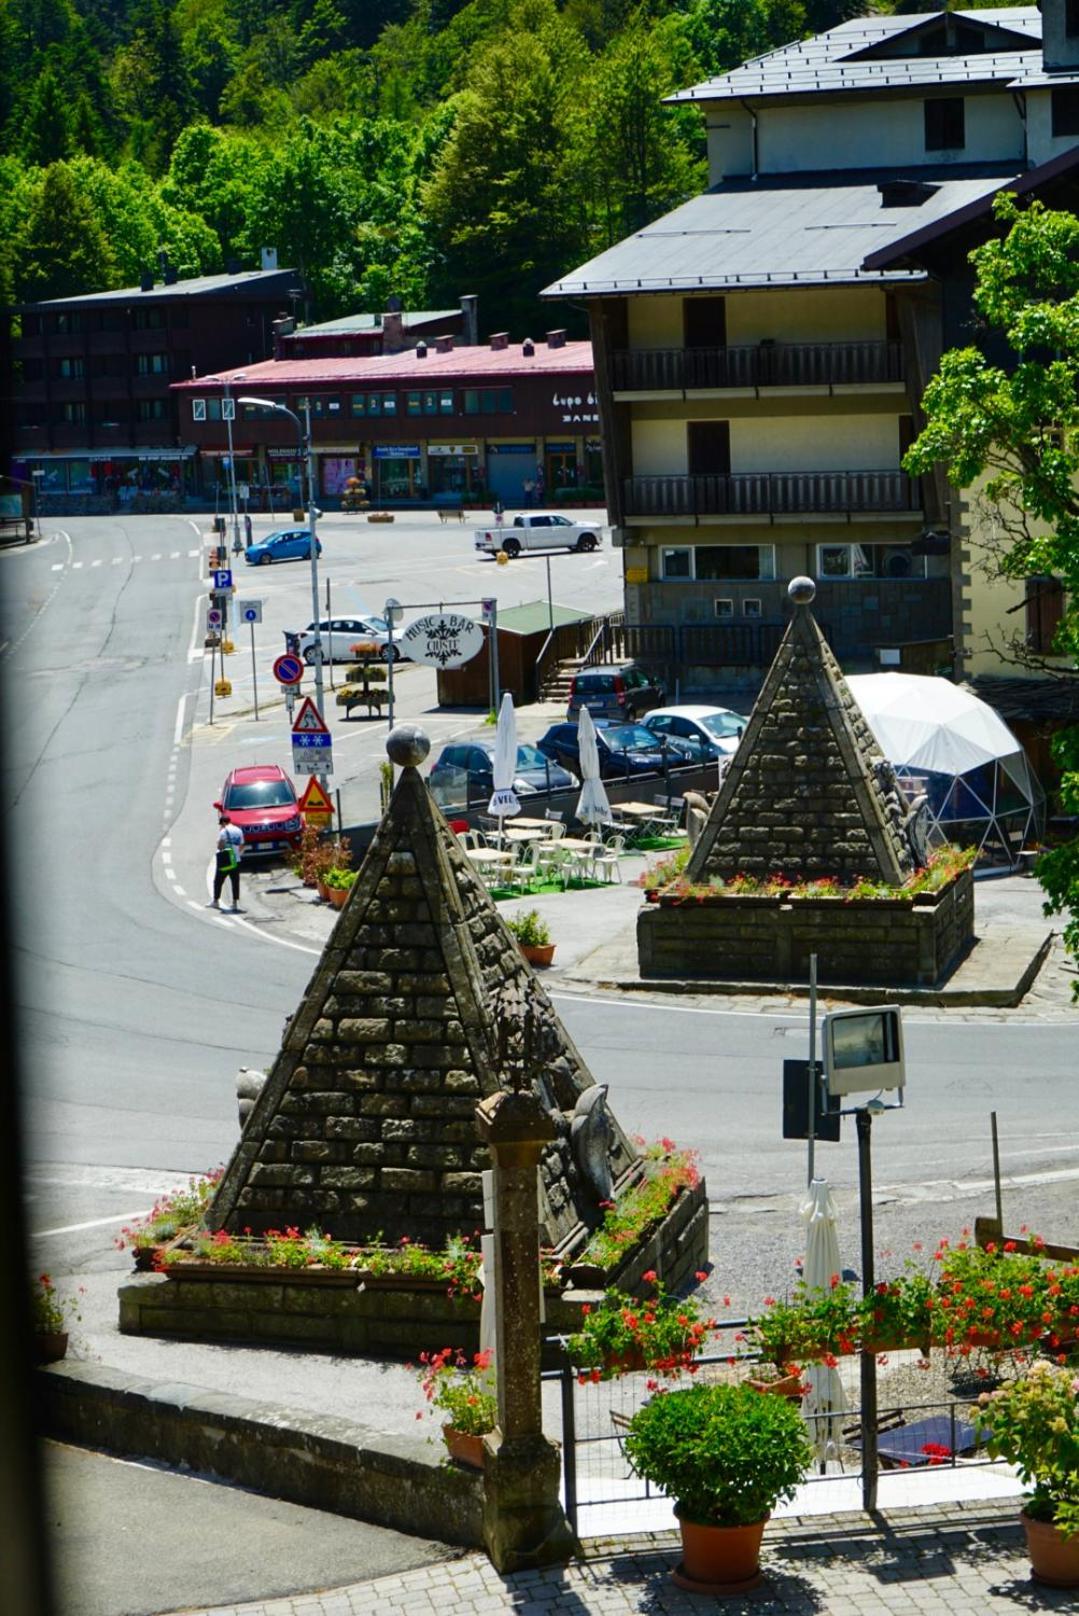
(957, 1560)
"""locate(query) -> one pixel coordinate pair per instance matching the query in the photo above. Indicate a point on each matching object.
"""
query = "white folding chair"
(605, 860)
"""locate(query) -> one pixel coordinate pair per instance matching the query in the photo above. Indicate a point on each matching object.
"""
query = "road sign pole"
(868, 1392)
(213, 643)
(254, 672)
(812, 1064)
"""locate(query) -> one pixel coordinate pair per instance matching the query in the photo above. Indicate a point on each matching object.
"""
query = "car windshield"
(378, 624)
(530, 757)
(260, 794)
(630, 738)
(722, 725)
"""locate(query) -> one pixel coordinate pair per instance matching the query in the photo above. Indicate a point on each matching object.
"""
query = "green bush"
(530, 929)
(726, 1454)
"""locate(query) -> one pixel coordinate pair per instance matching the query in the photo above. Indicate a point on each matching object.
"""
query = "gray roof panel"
(794, 230)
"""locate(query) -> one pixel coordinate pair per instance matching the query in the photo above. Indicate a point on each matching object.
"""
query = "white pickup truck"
(537, 531)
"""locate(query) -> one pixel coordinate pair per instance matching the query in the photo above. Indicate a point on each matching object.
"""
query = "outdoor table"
(544, 826)
(635, 810)
(488, 859)
(521, 835)
(905, 1445)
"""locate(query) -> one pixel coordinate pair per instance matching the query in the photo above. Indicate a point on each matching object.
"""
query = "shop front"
(334, 470)
(112, 479)
(454, 468)
(398, 471)
(511, 467)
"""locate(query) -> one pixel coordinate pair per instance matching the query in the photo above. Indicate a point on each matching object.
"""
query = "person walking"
(230, 841)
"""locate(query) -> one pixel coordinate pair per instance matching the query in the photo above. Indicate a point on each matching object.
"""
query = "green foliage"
(661, 1332)
(667, 1172)
(725, 1454)
(459, 1389)
(1018, 429)
(64, 249)
(529, 928)
(1033, 1423)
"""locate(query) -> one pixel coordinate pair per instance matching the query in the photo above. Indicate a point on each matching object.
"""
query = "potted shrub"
(338, 884)
(726, 1456)
(661, 1333)
(1033, 1422)
(49, 1315)
(461, 1391)
(533, 937)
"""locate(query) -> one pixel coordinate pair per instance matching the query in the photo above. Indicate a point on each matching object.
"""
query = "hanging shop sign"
(396, 451)
(443, 640)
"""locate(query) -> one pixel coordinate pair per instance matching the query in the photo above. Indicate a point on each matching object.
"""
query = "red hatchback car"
(262, 801)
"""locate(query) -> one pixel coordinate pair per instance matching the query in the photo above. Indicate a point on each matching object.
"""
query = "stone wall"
(890, 942)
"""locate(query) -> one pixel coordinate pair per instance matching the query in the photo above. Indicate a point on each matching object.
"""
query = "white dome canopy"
(944, 741)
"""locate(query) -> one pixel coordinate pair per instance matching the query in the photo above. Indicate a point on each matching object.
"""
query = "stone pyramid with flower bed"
(809, 848)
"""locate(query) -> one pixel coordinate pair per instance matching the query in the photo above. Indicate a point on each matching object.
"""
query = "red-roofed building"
(433, 422)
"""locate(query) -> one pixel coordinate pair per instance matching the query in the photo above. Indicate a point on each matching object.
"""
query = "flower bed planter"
(791, 1386)
(464, 1447)
(249, 1274)
(50, 1346)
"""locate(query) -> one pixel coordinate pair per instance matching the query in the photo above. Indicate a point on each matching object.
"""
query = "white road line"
(136, 558)
(95, 1223)
(57, 566)
(174, 555)
(194, 552)
(178, 727)
(156, 556)
(76, 565)
(194, 649)
(668, 1002)
(96, 563)
(166, 858)
(117, 561)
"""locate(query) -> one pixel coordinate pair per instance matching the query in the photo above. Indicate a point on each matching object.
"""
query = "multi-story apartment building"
(760, 360)
(503, 420)
(94, 424)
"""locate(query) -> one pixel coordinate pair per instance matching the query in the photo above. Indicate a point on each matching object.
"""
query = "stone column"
(524, 1523)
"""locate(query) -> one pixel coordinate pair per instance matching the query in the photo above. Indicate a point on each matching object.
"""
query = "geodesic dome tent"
(944, 742)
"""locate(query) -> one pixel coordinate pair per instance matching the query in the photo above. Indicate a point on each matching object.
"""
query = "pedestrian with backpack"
(230, 841)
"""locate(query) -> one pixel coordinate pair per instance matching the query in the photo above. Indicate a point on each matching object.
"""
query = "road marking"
(194, 650)
(764, 1014)
(178, 727)
(174, 555)
(194, 552)
(76, 565)
(57, 566)
(136, 558)
(94, 1223)
(156, 557)
(117, 561)
(96, 563)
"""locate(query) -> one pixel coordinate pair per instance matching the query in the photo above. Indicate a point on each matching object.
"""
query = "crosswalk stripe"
(57, 566)
(96, 563)
(76, 565)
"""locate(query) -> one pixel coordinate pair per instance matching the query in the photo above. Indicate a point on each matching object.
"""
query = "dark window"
(906, 434)
(728, 561)
(67, 322)
(74, 414)
(705, 322)
(1071, 19)
(1066, 110)
(944, 124)
(149, 319)
(1045, 608)
(151, 409)
(70, 369)
(180, 316)
(33, 370)
(152, 364)
(111, 320)
(487, 401)
(709, 448)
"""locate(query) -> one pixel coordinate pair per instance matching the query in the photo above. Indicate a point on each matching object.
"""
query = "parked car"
(261, 800)
(616, 690)
(530, 532)
(623, 749)
(340, 634)
(289, 544)
(474, 760)
(707, 732)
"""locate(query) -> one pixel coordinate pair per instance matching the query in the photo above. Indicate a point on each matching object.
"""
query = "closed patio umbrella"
(504, 803)
(825, 1398)
(592, 805)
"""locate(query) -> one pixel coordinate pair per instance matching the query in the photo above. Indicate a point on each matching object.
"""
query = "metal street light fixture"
(228, 411)
(303, 434)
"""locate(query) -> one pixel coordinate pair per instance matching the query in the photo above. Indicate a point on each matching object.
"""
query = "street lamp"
(228, 410)
(303, 435)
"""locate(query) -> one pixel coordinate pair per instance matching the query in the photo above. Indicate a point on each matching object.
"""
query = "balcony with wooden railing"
(764, 364)
(771, 493)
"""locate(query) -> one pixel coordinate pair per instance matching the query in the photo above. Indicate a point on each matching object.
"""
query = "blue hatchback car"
(290, 544)
(623, 749)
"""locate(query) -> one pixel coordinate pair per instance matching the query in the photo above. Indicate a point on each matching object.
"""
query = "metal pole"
(312, 518)
(254, 673)
(868, 1357)
(329, 619)
(213, 647)
(390, 659)
(232, 466)
(494, 656)
(569, 1442)
(550, 600)
(996, 1173)
(812, 1134)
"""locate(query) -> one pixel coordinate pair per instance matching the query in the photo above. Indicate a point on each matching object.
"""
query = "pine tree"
(64, 251)
(48, 132)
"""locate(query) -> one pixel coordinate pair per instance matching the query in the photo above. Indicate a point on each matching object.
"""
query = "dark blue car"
(623, 749)
(290, 544)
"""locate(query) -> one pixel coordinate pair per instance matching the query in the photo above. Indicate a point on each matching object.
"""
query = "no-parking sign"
(288, 669)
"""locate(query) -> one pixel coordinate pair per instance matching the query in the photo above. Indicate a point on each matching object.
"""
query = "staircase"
(558, 681)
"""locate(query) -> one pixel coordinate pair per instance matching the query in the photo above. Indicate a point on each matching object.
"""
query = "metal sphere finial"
(801, 590)
(407, 745)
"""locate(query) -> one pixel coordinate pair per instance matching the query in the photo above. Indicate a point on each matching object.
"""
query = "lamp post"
(228, 410)
(303, 434)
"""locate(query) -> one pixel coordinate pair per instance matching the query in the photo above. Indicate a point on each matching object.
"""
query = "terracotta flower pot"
(719, 1559)
(323, 891)
(338, 896)
(50, 1346)
(784, 1386)
(1054, 1559)
(629, 1362)
(538, 953)
(464, 1447)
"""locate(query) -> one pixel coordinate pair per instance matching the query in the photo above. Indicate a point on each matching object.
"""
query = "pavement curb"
(316, 1460)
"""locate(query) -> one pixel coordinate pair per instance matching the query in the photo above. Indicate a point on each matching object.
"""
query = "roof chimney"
(172, 274)
(421, 349)
(470, 308)
(393, 331)
(443, 344)
(232, 267)
(146, 281)
(528, 348)
(269, 258)
(556, 339)
(500, 339)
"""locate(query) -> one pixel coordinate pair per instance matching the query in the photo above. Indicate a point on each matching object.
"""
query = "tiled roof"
(405, 369)
(833, 61)
(809, 229)
(246, 280)
(370, 322)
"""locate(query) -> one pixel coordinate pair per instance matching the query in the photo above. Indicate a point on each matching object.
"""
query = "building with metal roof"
(761, 351)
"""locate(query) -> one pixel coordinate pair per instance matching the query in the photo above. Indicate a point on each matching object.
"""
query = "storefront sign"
(444, 640)
(452, 449)
(273, 454)
(511, 448)
(636, 575)
(396, 451)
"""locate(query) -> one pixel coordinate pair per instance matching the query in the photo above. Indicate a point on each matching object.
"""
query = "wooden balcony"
(771, 493)
(806, 364)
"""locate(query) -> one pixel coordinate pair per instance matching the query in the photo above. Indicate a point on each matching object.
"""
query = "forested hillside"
(419, 147)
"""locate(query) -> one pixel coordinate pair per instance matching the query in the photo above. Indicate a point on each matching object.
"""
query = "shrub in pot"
(462, 1391)
(1033, 1422)
(533, 936)
(726, 1456)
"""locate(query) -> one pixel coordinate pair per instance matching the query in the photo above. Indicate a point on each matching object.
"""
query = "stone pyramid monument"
(420, 1006)
(808, 793)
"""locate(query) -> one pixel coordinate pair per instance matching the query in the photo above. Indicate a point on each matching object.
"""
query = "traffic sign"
(311, 759)
(213, 618)
(311, 742)
(288, 670)
(315, 805)
(223, 578)
(250, 611)
(309, 721)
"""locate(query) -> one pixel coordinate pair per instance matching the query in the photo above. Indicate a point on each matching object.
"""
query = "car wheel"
(387, 655)
(309, 656)
(265, 558)
(512, 547)
(586, 542)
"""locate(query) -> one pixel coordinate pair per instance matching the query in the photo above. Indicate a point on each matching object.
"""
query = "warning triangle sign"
(309, 721)
(314, 799)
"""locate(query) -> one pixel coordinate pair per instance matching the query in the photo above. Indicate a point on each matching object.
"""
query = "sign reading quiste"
(443, 640)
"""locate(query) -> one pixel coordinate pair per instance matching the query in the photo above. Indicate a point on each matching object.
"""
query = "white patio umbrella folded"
(825, 1398)
(592, 805)
(504, 803)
